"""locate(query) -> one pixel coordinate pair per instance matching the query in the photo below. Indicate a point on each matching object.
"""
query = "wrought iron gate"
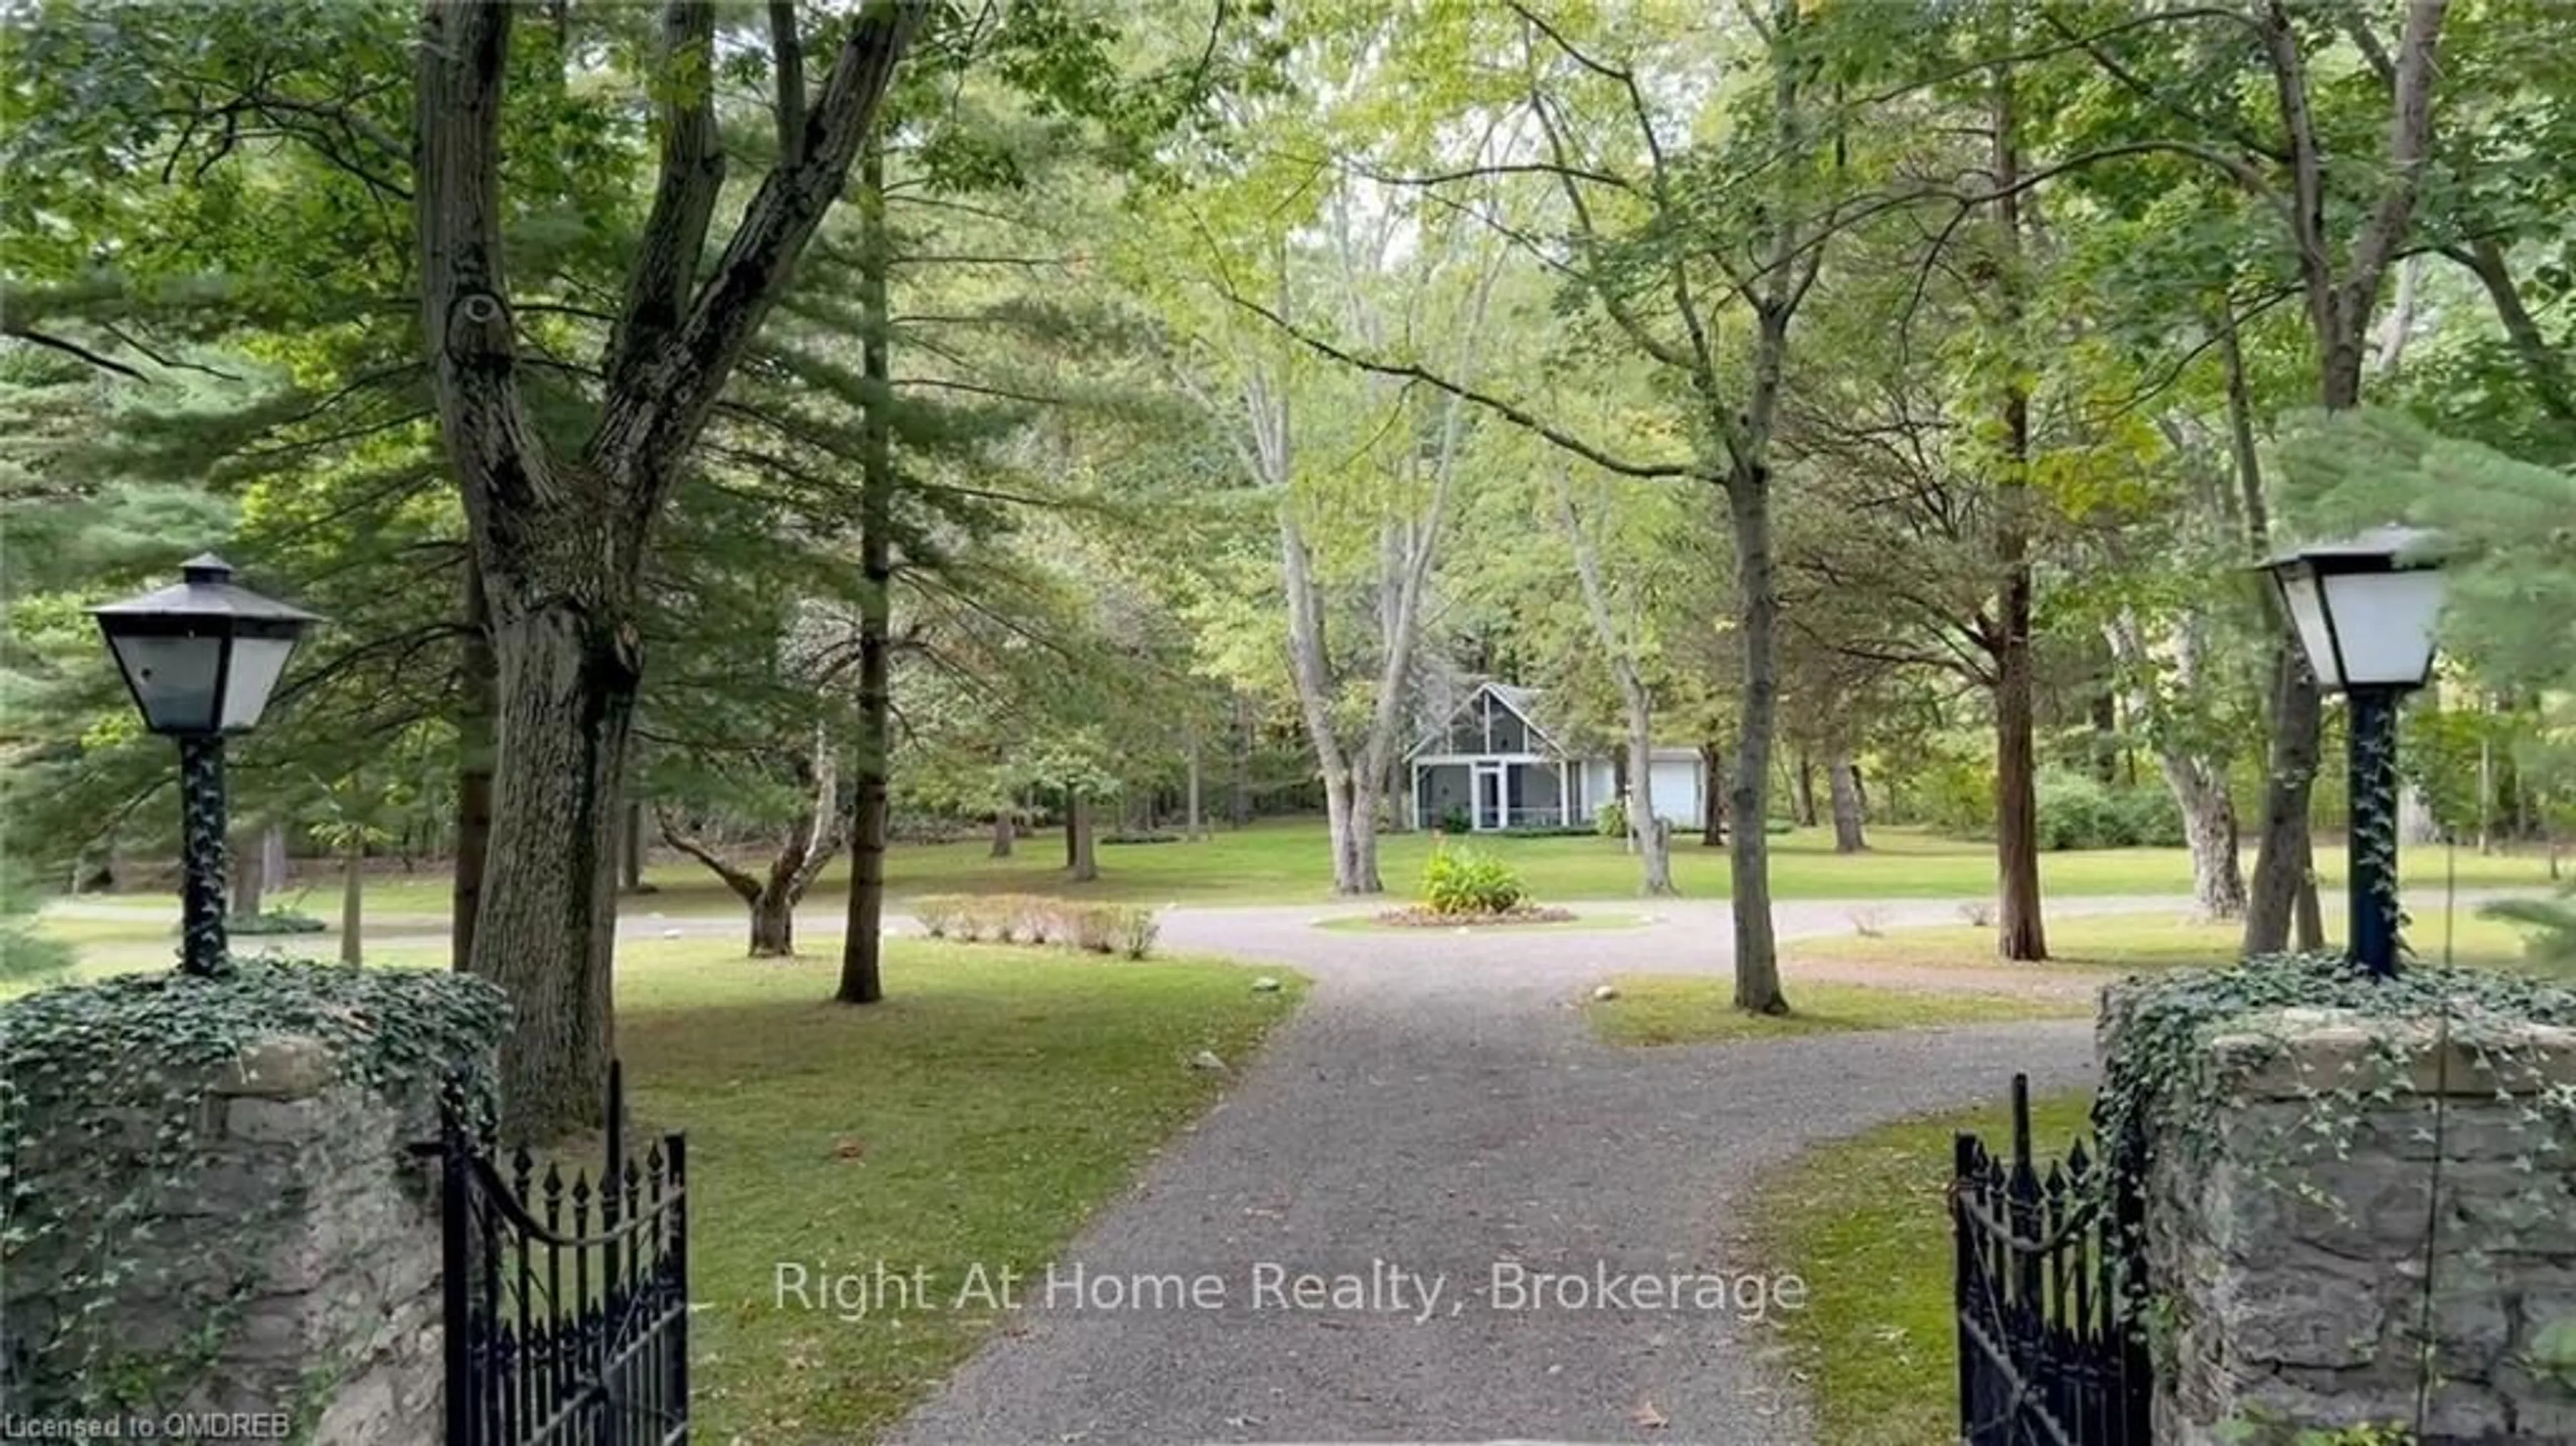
(2044, 1356)
(567, 1303)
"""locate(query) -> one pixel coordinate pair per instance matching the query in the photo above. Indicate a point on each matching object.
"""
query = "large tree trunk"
(631, 859)
(773, 925)
(2106, 737)
(353, 903)
(863, 943)
(275, 872)
(1757, 954)
(1654, 842)
(2197, 780)
(477, 676)
(1238, 802)
(2339, 308)
(1349, 814)
(247, 876)
(547, 928)
(1712, 795)
(1081, 859)
(1002, 833)
(2021, 929)
(2285, 884)
(1842, 780)
(1646, 832)
(563, 538)
(1193, 827)
(2209, 827)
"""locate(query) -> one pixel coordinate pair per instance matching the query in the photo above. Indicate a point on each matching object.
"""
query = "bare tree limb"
(1508, 411)
(73, 349)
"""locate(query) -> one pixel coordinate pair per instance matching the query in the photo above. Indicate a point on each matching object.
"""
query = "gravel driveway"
(1438, 1110)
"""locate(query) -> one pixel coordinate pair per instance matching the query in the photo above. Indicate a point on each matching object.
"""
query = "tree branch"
(684, 196)
(735, 879)
(72, 348)
(645, 427)
(1509, 412)
(787, 56)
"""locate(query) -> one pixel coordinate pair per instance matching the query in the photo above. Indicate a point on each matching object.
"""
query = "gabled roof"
(1521, 701)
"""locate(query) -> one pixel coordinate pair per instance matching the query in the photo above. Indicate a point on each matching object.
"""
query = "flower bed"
(1421, 916)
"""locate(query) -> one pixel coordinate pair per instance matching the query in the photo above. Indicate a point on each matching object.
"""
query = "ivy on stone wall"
(2433, 1032)
(124, 1071)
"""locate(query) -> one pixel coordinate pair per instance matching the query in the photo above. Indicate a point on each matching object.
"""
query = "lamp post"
(201, 658)
(2364, 611)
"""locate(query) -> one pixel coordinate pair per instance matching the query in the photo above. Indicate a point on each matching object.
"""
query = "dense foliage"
(1100, 416)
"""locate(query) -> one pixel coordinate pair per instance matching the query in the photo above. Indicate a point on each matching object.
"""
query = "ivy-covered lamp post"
(201, 658)
(2364, 610)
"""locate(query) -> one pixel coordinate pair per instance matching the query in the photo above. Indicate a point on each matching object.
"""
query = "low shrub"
(1463, 881)
(1611, 820)
(1139, 838)
(1126, 929)
(1123, 929)
(1455, 820)
(275, 921)
(1550, 831)
(2077, 811)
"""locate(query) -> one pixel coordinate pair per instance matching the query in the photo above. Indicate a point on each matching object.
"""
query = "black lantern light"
(2364, 611)
(201, 658)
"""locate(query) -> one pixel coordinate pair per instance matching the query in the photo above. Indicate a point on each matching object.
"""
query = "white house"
(1498, 766)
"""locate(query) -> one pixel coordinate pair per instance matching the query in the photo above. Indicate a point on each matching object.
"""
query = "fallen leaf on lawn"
(1647, 1418)
(850, 1149)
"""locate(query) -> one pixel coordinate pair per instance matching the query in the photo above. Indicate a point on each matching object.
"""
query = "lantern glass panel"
(257, 665)
(2384, 622)
(173, 677)
(2302, 594)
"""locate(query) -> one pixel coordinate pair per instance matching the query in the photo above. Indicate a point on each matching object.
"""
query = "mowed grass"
(979, 1115)
(1288, 861)
(2138, 942)
(1864, 1222)
(1691, 1009)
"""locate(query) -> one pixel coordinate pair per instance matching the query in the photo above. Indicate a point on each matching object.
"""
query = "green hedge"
(2077, 811)
(1127, 929)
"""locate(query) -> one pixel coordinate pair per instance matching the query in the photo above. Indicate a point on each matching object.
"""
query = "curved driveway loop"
(1436, 1108)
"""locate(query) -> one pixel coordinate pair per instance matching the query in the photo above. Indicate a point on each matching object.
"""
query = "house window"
(1467, 730)
(1505, 733)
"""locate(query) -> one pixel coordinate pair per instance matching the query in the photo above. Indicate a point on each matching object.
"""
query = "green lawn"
(2127, 943)
(1687, 1009)
(937, 1130)
(980, 1114)
(1864, 1223)
(1286, 860)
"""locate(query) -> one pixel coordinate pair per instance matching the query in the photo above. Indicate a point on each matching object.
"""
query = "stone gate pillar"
(2372, 1210)
(267, 1249)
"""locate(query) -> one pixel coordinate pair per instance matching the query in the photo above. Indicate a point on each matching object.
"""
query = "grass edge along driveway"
(1864, 1221)
(979, 1116)
(1662, 1009)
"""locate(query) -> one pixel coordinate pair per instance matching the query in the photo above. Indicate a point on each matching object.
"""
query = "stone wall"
(2293, 1262)
(303, 1222)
